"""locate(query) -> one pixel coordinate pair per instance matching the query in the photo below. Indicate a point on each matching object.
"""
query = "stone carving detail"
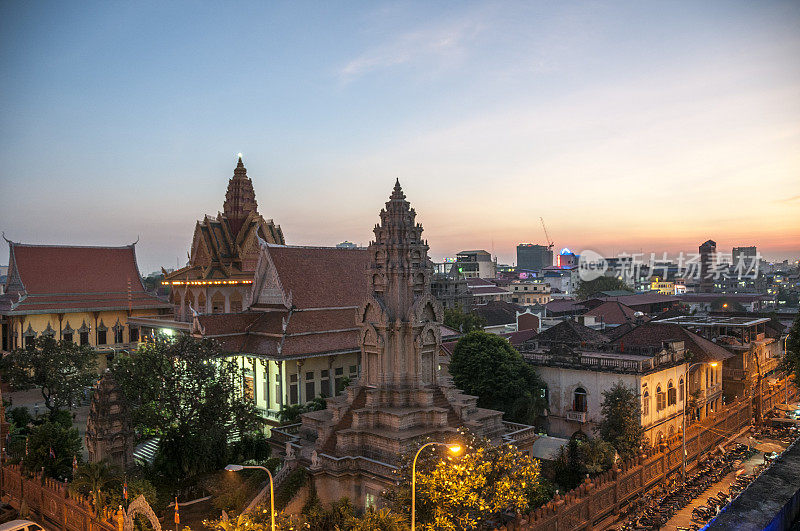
(109, 434)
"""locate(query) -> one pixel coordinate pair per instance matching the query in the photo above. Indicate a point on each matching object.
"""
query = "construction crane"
(549, 241)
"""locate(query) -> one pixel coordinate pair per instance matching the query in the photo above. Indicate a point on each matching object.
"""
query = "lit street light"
(455, 448)
(685, 400)
(237, 468)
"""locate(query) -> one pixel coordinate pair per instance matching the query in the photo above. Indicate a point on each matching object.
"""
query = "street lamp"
(237, 468)
(455, 448)
(685, 400)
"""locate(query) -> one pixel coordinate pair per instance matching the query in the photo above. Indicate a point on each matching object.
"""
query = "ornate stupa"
(109, 434)
(353, 448)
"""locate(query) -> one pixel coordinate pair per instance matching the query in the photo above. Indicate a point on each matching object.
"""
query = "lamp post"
(455, 448)
(685, 401)
(237, 468)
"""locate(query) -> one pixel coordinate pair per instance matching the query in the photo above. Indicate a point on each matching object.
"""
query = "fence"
(597, 499)
(49, 502)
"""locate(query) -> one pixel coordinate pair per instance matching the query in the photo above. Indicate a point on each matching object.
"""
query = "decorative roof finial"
(397, 193)
(240, 163)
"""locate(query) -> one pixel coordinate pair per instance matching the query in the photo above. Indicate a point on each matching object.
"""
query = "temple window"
(310, 386)
(29, 337)
(293, 398)
(133, 334)
(118, 328)
(218, 303)
(338, 380)
(325, 382)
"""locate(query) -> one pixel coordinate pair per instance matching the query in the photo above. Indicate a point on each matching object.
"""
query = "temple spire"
(240, 198)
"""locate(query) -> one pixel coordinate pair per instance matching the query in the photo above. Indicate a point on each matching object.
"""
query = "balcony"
(577, 416)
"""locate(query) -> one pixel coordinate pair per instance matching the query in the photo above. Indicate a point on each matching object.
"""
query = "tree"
(579, 457)
(465, 322)
(93, 479)
(791, 361)
(621, 425)
(61, 369)
(486, 365)
(591, 288)
(52, 445)
(473, 491)
(188, 394)
(290, 414)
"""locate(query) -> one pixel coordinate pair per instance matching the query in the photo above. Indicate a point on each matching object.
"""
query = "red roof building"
(81, 293)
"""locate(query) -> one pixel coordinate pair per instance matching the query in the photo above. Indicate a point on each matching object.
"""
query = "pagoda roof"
(60, 278)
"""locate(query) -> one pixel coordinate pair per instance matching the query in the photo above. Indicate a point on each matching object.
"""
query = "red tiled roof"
(714, 297)
(566, 305)
(65, 278)
(654, 333)
(322, 277)
(518, 338)
(62, 269)
(489, 290)
(613, 312)
(640, 298)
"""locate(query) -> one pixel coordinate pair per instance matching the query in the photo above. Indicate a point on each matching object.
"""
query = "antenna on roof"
(137, 240)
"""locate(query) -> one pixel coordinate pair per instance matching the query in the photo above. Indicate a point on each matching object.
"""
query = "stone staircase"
(441, 401)
(329, 447)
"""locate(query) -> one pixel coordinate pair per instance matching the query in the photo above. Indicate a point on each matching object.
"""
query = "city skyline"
(491, 115)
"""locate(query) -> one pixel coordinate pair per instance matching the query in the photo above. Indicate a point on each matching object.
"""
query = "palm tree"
(91, 479)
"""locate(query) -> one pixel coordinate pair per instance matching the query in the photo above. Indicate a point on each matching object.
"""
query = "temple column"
(281, 382)
(331, 379)
(300, 382)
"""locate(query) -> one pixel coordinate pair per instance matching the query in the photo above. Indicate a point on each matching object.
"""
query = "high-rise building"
(708, 252)
(533, 256)
(747, 255)
(476, 264)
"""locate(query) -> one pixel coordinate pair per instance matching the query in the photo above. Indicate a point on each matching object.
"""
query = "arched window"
(671, 431)
(672, 395)
(646, 403)
(218, 303)
(236, 302)
(579, 402)
(661, 398)
(681, 390)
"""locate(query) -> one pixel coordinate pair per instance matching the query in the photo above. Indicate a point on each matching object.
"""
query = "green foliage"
(94, 480)
(543, 493)
(470, 491)
(465, 322)
(486, 365)
(318, 518)
(296, 479)
(580, 457)
(791, 361)
(250, 448)
(376, 520)
(64, 441)
(788, 297)
(19, 417)
(61, 369)
(591, 288)
(231, 491)
(290, 414)
(621, 425)
(186, 392)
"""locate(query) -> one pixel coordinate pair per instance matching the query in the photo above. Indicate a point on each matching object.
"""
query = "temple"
(84, 294)
(224, 254)
(353, 447)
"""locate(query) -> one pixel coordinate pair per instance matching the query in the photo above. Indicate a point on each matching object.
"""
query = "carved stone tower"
(353, 447)
(109, 434)
(400, 321)
(240, 199)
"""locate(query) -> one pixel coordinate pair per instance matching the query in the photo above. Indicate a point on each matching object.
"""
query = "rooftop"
(710, 321)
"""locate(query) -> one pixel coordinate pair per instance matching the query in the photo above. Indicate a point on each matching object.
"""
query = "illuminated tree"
(473, 491)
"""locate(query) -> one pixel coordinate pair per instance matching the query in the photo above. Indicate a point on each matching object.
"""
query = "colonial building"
(81, 294)
(353, 447)
(224, 254)
(579, 364)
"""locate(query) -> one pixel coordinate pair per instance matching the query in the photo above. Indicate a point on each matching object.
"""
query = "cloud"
(443, 43)
(789, 199)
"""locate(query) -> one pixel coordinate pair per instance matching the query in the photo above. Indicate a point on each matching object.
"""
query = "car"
(21, 525)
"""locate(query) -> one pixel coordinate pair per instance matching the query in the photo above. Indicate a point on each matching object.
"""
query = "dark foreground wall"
(771, 502)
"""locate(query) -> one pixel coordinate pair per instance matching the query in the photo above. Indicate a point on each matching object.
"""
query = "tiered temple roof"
(54, 278)
(226, 246)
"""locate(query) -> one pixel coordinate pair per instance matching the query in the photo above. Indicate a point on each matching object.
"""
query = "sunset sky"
(628, 126)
